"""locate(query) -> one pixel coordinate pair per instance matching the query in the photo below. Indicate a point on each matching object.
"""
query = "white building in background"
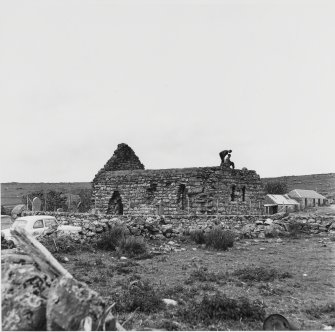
(307, 198)
(280, 203)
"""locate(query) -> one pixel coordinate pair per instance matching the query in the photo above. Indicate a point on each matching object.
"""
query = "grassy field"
(294, 278)
(322, 183)
(12, 193)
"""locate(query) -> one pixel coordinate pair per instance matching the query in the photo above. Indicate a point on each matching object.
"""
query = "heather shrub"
(198, 236)
(141, 296)
(220, 239)
(61, 244)
(111, 239)
(132, 246)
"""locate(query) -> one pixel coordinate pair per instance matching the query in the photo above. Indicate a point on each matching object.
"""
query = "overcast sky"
(178, 81)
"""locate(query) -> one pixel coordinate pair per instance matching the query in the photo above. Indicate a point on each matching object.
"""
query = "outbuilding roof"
(282, 200)
(302, 193)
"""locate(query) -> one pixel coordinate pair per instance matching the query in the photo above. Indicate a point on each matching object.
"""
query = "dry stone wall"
(162, 227)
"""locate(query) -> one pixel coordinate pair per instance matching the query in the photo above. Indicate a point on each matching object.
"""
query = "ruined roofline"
(175, 170)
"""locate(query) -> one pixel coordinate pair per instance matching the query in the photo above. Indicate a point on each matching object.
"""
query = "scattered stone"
(194, 249)
(261, 235)
(326, 327)
(279, 240)
(170, 302)
(122, 258)
(261, 248)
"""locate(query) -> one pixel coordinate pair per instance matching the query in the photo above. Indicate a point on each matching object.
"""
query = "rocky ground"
(301, 285)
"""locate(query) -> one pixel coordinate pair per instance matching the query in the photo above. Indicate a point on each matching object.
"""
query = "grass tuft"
(260, 273)
(214, 308)
(205, 276)
(198, 236)
(111, 239)
(220, 239)
(133, 246)
(141, 296)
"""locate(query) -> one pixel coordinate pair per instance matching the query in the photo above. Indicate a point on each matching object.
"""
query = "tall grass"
(220, 239)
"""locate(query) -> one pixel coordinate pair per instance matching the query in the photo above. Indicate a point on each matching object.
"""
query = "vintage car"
(38, 225)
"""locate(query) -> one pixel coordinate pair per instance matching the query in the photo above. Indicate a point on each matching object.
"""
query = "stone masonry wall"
(188, 191)
(159, 227)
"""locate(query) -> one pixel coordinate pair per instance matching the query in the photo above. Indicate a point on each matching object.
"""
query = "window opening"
(115, 205)
(232, 196)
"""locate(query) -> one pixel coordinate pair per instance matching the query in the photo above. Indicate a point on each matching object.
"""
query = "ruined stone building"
(123, 186)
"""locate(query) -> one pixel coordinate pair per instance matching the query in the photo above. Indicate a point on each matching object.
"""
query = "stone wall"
(124, 187)
(206, 190)
(160, 227)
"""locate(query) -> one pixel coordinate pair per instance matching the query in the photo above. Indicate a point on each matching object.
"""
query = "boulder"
(24, 293)
(279, 215)
(268, 221)
(326, 222)
(271, 230)
(332, 226)
(247, 230)
(167, 228)
(170, 302)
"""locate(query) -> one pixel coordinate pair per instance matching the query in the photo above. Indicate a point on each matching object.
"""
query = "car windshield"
(6, 222)
(20, 223)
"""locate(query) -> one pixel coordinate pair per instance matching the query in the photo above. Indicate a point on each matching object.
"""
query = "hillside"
(12, 192)
(322, 183)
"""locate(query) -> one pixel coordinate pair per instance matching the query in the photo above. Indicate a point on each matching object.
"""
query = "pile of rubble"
(39, 294)
(285, 224)
(152, 228)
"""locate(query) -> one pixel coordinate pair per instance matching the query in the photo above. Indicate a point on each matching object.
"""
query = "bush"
(276, 187)
(220, 239)
(63, 244)
(260, 273)
(295, 229)
(132, 246)
(198, 236)
(218, 307)
(140, 296)
(111, 239)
